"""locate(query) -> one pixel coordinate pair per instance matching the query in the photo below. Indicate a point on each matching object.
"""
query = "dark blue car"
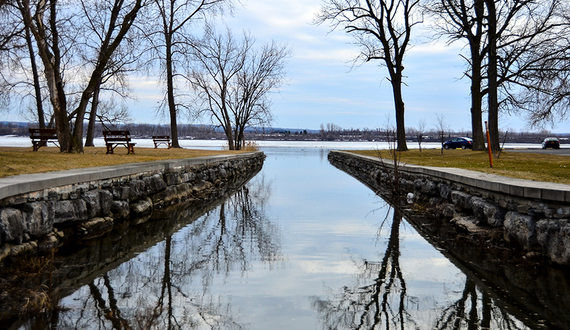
(460, 142)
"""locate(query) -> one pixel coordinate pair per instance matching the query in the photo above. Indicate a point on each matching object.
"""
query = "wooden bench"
(41, 136)
(114, 139)
(161, 139)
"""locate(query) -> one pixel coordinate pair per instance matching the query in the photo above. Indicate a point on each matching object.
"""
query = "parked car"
(460, 142)
(551, 142)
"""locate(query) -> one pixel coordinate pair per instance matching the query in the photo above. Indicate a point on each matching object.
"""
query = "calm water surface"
(302, 246)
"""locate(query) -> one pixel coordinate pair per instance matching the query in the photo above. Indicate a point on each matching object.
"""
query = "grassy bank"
(530, 166)
(15, 161)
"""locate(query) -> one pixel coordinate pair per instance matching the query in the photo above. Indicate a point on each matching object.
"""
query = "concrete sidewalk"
(22, 184)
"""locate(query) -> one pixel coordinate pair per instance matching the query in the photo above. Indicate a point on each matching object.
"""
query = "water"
(302, 246)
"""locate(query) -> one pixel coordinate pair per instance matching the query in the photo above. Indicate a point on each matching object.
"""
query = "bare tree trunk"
(92, 118)
(400, 107)
(476, 78)
(492, 76)
(35, 74)
(170, 93)
(476, 109)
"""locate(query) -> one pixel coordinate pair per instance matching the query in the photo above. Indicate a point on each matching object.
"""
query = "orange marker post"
(489, 144)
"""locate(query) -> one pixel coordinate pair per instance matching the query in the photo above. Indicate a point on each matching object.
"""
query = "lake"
(302, 246)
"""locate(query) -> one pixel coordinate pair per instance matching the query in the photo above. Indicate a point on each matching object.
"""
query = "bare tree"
(16, 46)
(382, 29)
(43, 19)
(232, 81)
(441, 128)
(519, 47)
(170, 39)
(263, 72)
(122, 61)
(421, 131)
(464, 20)
(534, 60)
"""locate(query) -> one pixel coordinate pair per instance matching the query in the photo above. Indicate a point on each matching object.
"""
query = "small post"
(489, 144)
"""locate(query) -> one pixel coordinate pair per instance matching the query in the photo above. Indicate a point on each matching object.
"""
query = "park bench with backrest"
(114, 139)
(161, 139)
(41, 136)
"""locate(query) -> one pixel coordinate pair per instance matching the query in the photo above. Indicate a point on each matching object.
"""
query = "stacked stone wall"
(39, 221)
(539, 226)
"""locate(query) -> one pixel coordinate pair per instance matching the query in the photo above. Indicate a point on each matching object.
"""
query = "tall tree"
(232, 81)
(42, 18)
(121, 17)
(170, 40)
(465, 20)
(122, 61)
(533, 43)
(382, 29)
(517, 46)
(263, 72)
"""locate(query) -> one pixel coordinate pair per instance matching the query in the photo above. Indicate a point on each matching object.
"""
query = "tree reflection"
(476, 310)
(371, 304)
(169, 286)
(380, 300)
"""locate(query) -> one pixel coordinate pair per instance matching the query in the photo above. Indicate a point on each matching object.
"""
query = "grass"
(530, 166)
(16, 161)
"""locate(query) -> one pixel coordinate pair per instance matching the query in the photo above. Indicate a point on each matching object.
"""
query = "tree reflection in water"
(380, 300)
(168, 286)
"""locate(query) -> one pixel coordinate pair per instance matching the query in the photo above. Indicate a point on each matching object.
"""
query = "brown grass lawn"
(538, 167)
(15, 161)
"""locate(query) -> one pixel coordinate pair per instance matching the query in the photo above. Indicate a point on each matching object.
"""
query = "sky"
(322, 86)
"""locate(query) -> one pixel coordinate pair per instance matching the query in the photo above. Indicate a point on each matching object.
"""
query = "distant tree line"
(336, 133)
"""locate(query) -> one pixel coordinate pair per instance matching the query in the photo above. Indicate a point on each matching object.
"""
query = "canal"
(301, 246)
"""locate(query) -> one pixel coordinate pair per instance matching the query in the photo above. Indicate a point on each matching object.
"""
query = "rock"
(444, 190)
(466, 224)
(461, 199)
(120, 209)
(154, 184)
(37, 217)
(70, 210)
(92, 201)
(141, 209)
(96, 227)
(11, 226)
(48, 243)
(137, 190)
(29, 248)
(487, 212)
(553, 236)
(121, 193)
(521, 229)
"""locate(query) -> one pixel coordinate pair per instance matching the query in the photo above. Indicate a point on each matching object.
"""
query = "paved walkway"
(21, 184)
(517, 187)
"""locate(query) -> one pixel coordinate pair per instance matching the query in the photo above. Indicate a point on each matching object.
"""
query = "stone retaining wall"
(537, 221)
(38, 221)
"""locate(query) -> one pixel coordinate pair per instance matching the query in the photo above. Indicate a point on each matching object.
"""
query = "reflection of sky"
(328, 224)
